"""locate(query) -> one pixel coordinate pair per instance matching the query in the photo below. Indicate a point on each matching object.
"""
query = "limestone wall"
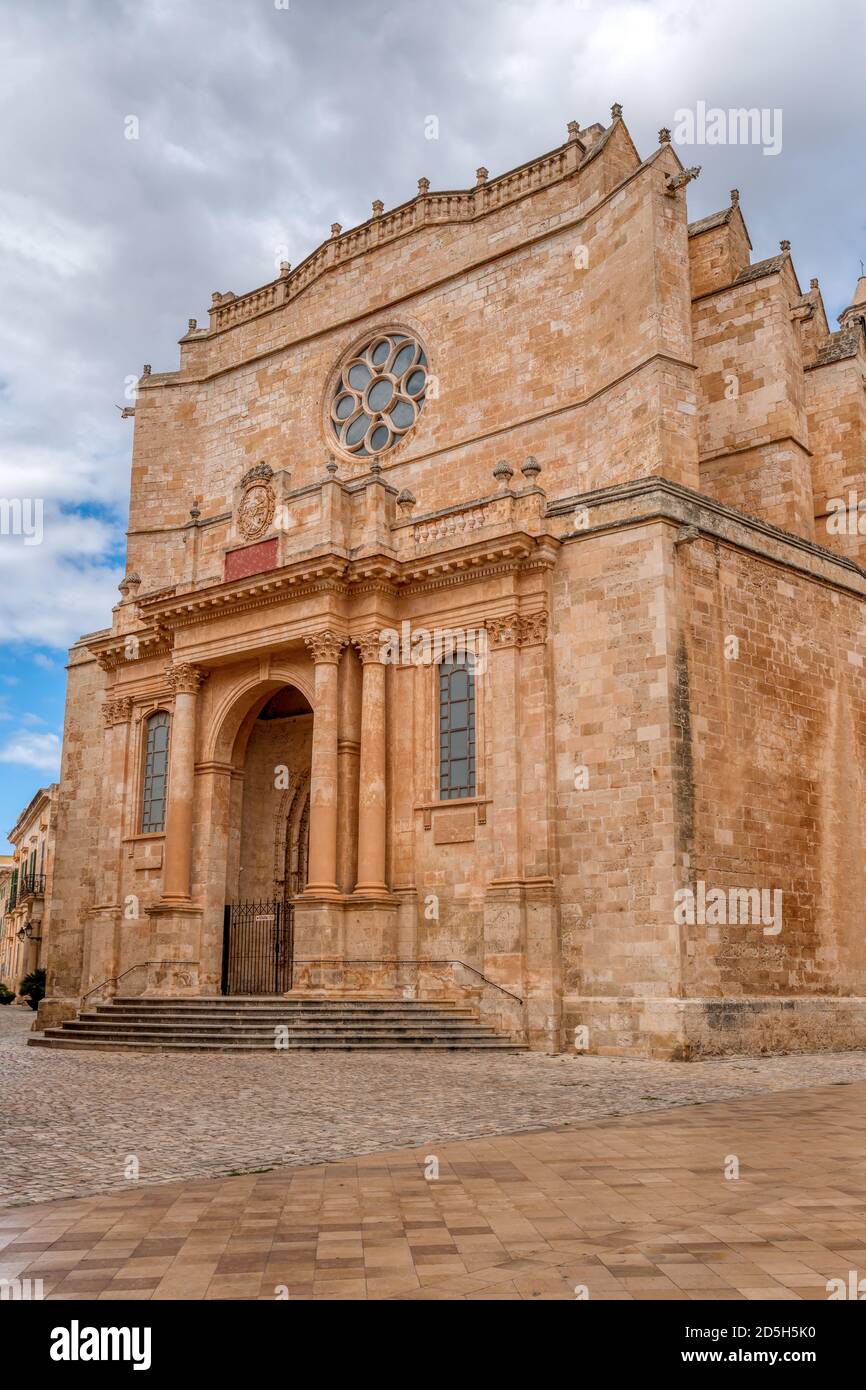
(778, 758)
(559, 327)
(76, 848)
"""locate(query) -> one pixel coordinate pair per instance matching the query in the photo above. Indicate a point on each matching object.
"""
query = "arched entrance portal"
(269, 842)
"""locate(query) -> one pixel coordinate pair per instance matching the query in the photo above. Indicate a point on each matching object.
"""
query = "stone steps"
(247, 1024)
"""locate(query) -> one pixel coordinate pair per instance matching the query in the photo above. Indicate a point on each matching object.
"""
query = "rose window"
(379, 393)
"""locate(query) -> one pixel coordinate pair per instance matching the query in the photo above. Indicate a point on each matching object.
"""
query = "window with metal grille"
(456, 730)
(155, 774)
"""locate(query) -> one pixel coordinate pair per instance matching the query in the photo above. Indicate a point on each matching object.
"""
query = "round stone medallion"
(256, 510)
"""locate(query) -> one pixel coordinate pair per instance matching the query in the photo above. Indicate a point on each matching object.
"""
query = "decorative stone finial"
(378, 207)
(785, 248)
(405, 501)
(145, 371)
(814, 282)
(664, 136)
(530, 468)
(504, 472)
(423, 186)
(480, 176)
(336, 228)
(331, 466)
(616, 111)
(285, 267)
(573, 130)
(195, 510)
(192, 325)
(129, 581)
(216, 297)
(735, 197)
(375, 468)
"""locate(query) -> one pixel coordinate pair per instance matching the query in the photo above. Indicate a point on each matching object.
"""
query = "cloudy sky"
(261, 122)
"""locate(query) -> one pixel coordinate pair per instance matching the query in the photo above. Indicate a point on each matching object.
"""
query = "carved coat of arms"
(258, 503)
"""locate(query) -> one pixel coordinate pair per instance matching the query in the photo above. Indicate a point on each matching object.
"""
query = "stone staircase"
(248, 1024)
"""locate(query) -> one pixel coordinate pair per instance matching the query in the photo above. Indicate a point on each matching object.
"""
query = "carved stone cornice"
(119, 650)
(383, 573)
(321, 575)
(185, 679)
(326, 646)
(117, 711)
(368, 645)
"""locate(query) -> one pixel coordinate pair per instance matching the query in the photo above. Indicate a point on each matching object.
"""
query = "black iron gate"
(257, 947)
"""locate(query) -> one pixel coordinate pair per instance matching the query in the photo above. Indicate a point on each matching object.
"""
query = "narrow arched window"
(155, 773)
(456, 730)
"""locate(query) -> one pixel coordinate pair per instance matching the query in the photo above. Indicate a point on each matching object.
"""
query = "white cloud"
(54, 592)
(52, 243)
(34, 750)
(299, 118)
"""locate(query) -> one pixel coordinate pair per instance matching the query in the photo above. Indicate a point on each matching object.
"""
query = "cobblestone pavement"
(637, 1207)
(74, 1123)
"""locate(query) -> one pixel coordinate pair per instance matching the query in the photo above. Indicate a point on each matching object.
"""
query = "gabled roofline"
(426, 208)
(721, 219)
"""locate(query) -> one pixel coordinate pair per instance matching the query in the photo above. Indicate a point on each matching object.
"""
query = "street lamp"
(25, 932)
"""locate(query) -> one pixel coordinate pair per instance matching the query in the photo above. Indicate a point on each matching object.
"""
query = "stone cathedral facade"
(493, 629)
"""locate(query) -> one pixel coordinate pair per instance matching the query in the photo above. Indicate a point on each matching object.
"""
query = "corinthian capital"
(533, 629)
(504, 632)
(117, 711)
(368, 645)
(518, 629)
(185, 679)
(326, 645)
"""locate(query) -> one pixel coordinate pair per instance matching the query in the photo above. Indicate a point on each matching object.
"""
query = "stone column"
(372, 809)
(542, 967)
(349, 751)
(504, 903)
(117, 714)
(185, 681)
(325, 648)
(101, 926)
(504, 782)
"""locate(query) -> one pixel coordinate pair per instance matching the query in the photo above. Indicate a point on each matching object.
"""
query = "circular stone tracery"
(379, 393)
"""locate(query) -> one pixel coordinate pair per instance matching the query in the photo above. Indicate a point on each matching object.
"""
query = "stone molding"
(326, 646)
(185, 679)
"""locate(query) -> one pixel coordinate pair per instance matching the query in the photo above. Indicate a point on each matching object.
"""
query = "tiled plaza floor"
(628, 1208)
(76, 1122)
